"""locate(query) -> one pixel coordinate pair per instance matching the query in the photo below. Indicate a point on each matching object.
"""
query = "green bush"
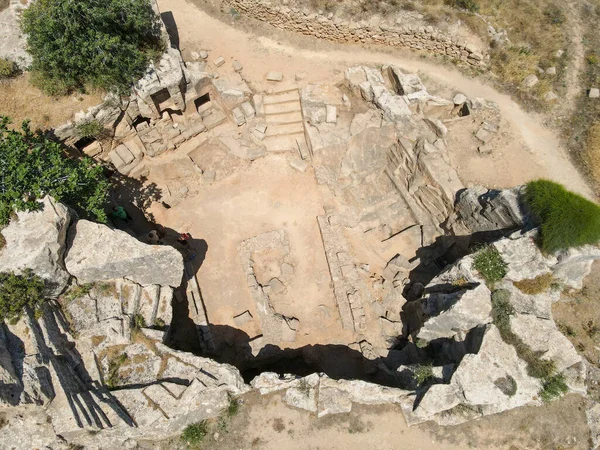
(502, 310)
(553, 387)
(18, 292)
(75, 43)
(555, 14)
(33, 166)
(489, 263)
(424, 373)
(567, 219)
(78, 291)
(91, 129)
(7, 68)
(195, 433)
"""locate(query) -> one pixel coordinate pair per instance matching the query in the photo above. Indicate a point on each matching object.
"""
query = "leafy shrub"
(7, 68)
(592, 59)
(489, 263)
(91, 129)
(502, 310)
(33, 166)
(103, 44)
(114, 364)
(78, 291)
(234, 407)
(18, 292)
(138, 322)
(535, 285)
(553, 387)
(195, 433)
(424, 373)
(567, 219)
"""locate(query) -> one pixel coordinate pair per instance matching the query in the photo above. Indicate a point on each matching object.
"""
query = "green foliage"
(489, 263)
(592, 59)
(234, 407)
(33, 166)
(91, 129)
(138, 322)
(424, 373)
(112, 377)
(75, 43)
(159, 323)
(195, 433)
(469, 5)
(553, 387)
(567, 219)
(501, 312)
(18, 292)
(7, 68)
(78, 291)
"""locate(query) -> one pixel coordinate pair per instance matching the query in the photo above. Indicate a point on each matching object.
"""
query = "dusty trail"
(542, 154)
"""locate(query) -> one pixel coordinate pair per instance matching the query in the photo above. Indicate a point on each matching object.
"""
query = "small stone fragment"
(299, 165)
(459, 99)
(219, 61)
(530, 81)
(238, 116)
(203, 54)
(551, 71)
(594, 93)
(237, 66)
(195, 55)
(274, 76)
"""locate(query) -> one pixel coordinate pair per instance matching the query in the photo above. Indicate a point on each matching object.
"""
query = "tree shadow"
(171, 26)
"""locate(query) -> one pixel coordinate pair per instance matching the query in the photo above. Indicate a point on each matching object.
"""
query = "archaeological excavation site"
(308, 229)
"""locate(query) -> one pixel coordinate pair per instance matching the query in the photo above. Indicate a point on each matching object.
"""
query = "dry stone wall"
(336, 29)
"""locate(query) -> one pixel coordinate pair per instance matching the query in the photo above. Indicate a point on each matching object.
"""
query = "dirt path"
(537, 154)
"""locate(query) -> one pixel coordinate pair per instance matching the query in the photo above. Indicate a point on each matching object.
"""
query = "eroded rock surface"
(122, 257)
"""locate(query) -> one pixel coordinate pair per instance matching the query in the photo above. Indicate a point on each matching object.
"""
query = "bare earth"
(529, 150)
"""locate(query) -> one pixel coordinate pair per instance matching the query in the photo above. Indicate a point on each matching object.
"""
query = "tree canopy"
(100, 43)
(32, 166)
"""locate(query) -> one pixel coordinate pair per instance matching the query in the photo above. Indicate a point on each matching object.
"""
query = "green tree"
(102, 43)
(19, 291)
(33, 166)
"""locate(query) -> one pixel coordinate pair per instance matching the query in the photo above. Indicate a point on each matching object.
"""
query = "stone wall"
(336, 29)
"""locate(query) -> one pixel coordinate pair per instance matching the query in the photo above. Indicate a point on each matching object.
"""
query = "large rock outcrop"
(36, 240)
(97, 252)
(490, 375)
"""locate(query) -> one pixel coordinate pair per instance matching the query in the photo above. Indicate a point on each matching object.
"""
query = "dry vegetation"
(19, 100)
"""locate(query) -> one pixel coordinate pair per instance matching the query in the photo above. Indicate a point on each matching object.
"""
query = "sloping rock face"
(319, 393)
(36, 240)
(122, 256)
(490, 376)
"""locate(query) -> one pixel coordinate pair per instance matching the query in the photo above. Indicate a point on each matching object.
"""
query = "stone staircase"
(285, 124)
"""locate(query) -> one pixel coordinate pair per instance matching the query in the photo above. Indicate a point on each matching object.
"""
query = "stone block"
(248, 110)
(219, 61)
(594, 93)
(238, 116)
(299, 165)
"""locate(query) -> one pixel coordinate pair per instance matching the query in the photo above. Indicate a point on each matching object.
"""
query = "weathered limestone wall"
(336, 29)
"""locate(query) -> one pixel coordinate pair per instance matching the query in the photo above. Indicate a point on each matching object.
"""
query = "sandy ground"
(535, 151)
(268, 423)
(264, 196)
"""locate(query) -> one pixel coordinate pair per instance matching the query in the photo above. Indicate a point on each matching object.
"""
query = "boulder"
(97, 252)
(491, 381)
(36, 240)
(479, 209)
(530, 81)
(454, 312)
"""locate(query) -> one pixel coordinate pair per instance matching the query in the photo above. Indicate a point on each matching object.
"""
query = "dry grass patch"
(592, 153)
(535, 285)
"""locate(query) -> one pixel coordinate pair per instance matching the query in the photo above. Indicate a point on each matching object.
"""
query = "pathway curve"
(323, 61)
